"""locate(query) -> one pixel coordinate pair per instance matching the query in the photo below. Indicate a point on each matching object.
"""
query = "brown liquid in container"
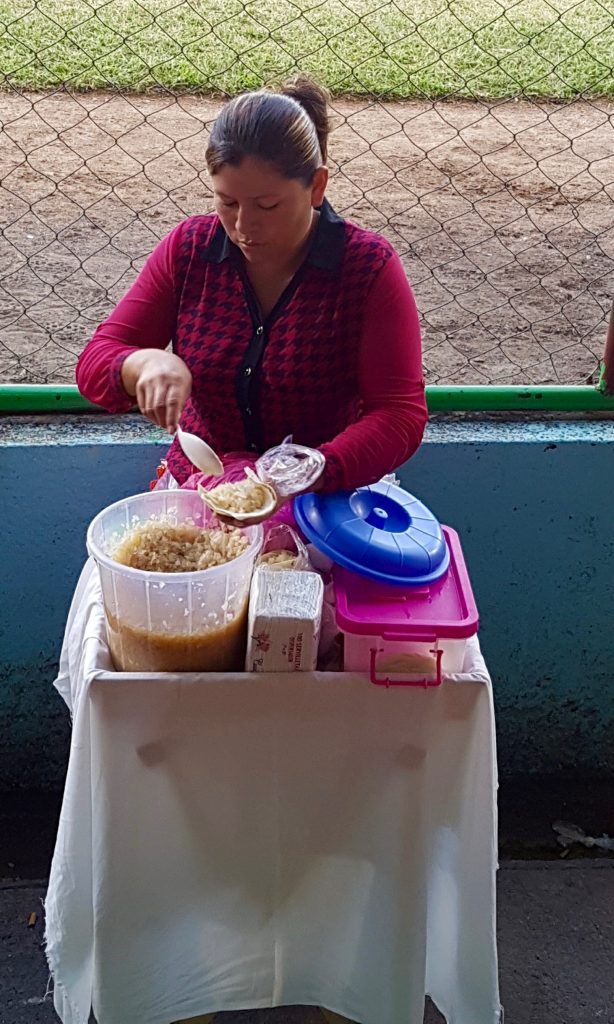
(220, 649)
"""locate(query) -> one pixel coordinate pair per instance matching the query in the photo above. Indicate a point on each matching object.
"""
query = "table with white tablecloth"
(244, 841)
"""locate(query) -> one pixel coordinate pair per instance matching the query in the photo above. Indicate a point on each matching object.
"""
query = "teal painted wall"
(533, 504)
(531, 501)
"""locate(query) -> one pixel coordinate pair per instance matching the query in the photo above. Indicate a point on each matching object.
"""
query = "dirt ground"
(502, 213)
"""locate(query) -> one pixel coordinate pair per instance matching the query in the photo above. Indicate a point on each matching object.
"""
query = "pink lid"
(445, 608)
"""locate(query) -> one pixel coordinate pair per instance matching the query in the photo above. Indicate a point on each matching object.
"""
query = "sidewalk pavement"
(556, 949)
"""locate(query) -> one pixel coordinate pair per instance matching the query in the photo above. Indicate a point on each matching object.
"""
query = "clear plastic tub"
(393, 658)
(171, 622)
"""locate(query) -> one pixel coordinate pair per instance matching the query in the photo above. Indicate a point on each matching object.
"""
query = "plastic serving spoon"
(199, 453)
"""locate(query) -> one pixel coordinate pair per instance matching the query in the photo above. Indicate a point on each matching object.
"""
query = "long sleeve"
(391, 388)
(144, 318)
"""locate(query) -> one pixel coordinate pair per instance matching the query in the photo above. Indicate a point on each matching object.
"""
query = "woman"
(284, 319)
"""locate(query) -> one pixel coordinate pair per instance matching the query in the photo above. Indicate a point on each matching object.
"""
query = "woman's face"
(266, 215)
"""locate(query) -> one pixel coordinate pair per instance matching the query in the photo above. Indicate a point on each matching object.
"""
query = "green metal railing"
(64, 398)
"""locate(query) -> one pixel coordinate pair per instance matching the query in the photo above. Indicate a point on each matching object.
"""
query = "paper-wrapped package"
(285, 615)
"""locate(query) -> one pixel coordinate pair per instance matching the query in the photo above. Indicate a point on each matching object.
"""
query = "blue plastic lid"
(379, 531)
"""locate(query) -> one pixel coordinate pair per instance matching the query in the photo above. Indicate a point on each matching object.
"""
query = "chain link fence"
(477, 136)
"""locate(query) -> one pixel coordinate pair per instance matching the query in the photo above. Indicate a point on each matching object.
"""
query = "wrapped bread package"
(285, 616)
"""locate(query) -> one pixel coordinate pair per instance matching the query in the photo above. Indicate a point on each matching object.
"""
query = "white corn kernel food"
(163, 547)
(245, 499)
(278, 560)
(244, 496)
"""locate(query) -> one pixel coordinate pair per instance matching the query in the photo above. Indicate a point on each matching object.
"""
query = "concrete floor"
(556, 949)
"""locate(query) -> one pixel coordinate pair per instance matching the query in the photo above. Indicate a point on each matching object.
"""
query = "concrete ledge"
(532, 502)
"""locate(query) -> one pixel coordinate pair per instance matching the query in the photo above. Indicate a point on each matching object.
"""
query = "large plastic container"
(403, 597)
(407, 636)
(171, 622)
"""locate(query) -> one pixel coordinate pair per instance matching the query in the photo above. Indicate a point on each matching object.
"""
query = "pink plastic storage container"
(403, 635)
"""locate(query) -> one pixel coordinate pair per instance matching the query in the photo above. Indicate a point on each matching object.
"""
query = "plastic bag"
(391, 478)
(291, 468)
(280, 538)
(568, 835)
(165, 480)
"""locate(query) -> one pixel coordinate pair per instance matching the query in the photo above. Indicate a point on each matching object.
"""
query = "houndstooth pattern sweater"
(336, 364)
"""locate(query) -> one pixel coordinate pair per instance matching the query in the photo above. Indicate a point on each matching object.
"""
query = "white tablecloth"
(243, 841)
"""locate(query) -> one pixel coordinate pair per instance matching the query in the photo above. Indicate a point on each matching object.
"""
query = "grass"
(387, 47)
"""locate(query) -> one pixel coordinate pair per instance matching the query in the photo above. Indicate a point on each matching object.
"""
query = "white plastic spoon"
(199, 453)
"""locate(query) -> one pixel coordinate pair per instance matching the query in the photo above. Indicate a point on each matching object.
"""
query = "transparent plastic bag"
(391, 478)
(165, 481)
(290, 468)
(281, 540)
(569, 835)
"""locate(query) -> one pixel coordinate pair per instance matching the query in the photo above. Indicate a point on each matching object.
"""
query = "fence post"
(607, 373)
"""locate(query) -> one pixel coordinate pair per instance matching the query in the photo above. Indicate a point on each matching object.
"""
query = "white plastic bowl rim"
(194, 574)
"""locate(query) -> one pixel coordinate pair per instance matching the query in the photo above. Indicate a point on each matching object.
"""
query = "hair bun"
(314, 99)
(286, 127)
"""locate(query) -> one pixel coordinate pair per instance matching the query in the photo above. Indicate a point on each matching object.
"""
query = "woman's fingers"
(145, 400)
(162, 400)
(175, 401)
(161, 383)
(151, 400)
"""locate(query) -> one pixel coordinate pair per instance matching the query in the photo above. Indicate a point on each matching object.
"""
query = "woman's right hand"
(161, 383)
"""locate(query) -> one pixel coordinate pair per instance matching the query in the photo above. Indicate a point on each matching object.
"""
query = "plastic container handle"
(381, 681)
(421, 638)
